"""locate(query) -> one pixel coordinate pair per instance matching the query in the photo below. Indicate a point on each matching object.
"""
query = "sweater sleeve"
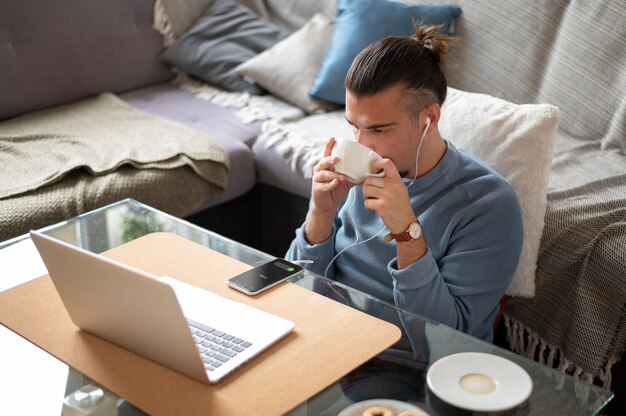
(462, 289)
(321, 254)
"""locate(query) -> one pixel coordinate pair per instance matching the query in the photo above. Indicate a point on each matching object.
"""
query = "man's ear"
(433, 113)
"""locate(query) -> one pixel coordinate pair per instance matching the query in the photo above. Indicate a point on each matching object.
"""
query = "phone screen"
(265, 276)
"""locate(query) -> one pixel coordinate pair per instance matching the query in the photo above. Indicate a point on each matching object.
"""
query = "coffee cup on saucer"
(355, 160)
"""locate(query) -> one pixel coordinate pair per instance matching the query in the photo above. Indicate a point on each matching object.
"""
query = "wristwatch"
(412, 232)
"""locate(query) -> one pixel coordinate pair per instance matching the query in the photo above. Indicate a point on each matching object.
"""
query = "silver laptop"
(195, 332)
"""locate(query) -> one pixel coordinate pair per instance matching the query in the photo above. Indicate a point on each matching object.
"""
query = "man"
(454, 224)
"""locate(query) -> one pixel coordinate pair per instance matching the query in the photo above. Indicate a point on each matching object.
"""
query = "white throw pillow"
(517, 141)
(287, 69)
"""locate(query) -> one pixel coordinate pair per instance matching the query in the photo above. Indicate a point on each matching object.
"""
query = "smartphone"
(264, 276)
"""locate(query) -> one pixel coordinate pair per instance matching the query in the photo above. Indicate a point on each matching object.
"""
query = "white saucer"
(490, 382)
(395, 406)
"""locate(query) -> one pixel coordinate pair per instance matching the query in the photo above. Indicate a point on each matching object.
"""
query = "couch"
(557, 68)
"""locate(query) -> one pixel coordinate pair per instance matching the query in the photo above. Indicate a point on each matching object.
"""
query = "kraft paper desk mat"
(329, 339)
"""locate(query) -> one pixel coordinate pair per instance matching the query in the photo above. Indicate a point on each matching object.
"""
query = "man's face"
(382, 123)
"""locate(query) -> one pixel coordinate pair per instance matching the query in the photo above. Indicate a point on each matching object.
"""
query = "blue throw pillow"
(362, 22)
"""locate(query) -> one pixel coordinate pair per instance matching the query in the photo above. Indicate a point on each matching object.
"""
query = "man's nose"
(362, 137)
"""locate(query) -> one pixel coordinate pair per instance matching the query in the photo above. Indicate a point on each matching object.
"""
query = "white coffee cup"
(355, 160)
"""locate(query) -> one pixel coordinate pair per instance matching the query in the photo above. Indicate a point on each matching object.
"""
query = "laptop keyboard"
(216, 347)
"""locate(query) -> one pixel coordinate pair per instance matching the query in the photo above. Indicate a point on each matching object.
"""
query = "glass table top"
(399, 373)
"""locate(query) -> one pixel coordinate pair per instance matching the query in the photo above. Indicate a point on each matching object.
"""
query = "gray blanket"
(99, 135)
(581, 272)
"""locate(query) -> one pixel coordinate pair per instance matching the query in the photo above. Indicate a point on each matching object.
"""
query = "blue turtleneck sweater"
(472, 224)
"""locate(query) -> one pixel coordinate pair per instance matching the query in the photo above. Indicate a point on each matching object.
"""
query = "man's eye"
(377, 131)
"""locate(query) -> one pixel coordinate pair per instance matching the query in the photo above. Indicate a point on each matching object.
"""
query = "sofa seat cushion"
(220, 123)
(286, 152)
(274, 170)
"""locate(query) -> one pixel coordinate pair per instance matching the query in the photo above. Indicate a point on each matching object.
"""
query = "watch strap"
(401, 237)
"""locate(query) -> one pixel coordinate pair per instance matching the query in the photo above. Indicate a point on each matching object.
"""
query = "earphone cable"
(356, 231)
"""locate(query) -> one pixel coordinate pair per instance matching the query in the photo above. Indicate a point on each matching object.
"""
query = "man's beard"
(402, 173)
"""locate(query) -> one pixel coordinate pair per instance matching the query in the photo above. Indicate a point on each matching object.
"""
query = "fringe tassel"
(542, 351)
(208, 93)
(550, 360)
(605, 373)
(301, 149)
(509, 330)
(251, 107)
(513, 335)
(577, 372)
(517, 334)
(564, 364)
(587, 377)
(581, 392)
(532, 346)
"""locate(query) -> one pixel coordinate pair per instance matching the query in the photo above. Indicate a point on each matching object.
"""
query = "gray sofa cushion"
(568, 54)
(586, 73)
(169, 101)
(220, 123)
(276, 171)
(498, 52)
(289, 13)
(55, 51)
(226, 35)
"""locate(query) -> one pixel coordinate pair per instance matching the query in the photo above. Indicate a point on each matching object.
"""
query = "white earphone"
(419, 146)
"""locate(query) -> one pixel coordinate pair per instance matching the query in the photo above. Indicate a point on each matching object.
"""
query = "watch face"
(415, 231)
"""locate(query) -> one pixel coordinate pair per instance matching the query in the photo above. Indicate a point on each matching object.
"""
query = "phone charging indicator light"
(290, 269)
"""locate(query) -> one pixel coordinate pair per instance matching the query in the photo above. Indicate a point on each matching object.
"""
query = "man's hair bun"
(436, 43)
(416, 61)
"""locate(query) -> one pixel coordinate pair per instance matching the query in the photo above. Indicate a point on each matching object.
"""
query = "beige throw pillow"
(288, 69)
(517, 141)
(182, 14)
